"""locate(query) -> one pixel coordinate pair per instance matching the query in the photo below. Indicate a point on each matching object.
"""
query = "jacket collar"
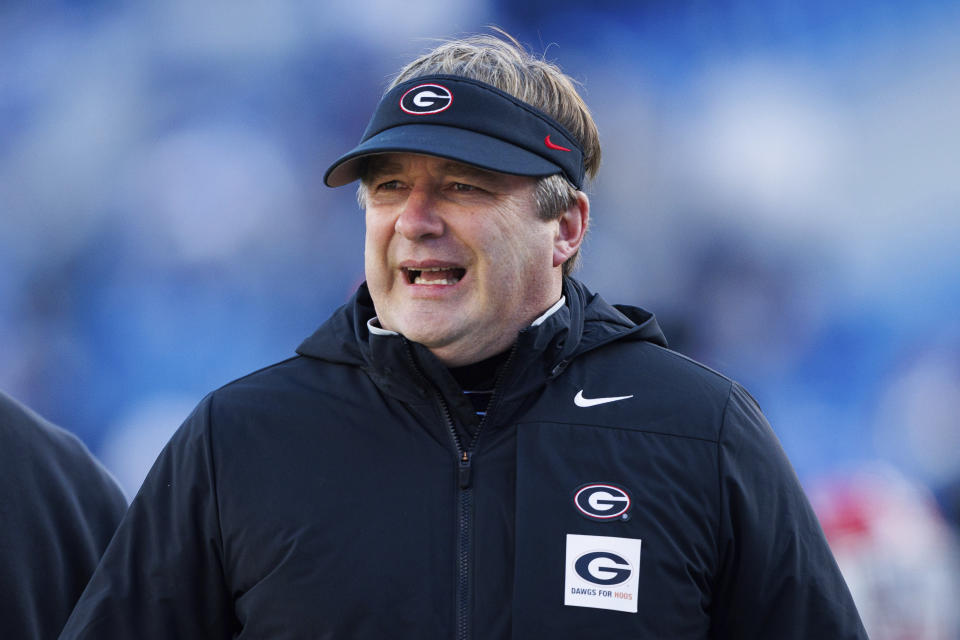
(407, 369)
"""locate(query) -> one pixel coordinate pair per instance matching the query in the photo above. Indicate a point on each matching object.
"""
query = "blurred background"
(781, 186)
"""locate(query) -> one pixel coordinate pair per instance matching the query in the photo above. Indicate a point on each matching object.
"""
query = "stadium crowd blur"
(783, 177)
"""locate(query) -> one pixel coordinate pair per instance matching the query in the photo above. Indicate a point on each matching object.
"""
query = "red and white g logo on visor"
(425, 99)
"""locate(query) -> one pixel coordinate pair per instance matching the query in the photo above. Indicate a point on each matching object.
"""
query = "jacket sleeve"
(162, 574)
(777, 576)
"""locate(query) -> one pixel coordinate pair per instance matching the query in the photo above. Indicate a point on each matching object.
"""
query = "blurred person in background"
(476, 445)
(58, 510)
(897, 552)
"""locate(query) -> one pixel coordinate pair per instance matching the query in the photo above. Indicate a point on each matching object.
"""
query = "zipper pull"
(464, 470)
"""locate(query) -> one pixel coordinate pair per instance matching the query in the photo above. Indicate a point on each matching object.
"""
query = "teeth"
(419, 280)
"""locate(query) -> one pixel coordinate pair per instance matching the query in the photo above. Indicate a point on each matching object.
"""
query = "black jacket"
(58, 510)
(327, 497)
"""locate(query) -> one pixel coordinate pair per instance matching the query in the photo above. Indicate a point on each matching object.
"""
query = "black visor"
(467, 121)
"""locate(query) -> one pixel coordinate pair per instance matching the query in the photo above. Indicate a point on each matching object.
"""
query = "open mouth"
(434, 275)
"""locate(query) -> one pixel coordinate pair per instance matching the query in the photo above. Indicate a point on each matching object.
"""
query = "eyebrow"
(378, 165)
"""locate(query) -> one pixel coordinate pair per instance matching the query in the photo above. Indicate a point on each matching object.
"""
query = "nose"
(419, 217)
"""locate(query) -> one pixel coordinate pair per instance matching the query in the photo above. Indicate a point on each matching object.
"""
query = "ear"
(571, 229)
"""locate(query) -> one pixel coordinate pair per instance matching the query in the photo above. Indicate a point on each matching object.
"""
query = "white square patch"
(602, 572)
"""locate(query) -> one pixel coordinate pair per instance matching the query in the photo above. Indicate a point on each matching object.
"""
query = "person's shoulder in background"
(59, 508)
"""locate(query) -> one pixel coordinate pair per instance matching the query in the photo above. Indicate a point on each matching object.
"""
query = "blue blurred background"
(780, 186)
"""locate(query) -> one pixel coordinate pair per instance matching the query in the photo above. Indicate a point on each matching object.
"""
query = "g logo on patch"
(425, 99)
(603, 567)
(602, 501)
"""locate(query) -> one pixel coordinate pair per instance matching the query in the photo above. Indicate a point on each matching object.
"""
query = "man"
(58, 510)
(475, 446)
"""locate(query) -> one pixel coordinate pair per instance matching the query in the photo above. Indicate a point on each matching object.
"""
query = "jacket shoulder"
(641, 386)
(287, 376)
(294, 390)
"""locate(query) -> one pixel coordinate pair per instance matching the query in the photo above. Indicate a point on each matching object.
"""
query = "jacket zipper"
(465, 495)
(464, 525)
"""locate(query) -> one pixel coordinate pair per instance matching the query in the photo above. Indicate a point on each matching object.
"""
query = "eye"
(389, 185)
(462, 186)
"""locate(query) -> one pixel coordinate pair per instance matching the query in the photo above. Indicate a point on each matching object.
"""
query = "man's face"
(456, 257)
